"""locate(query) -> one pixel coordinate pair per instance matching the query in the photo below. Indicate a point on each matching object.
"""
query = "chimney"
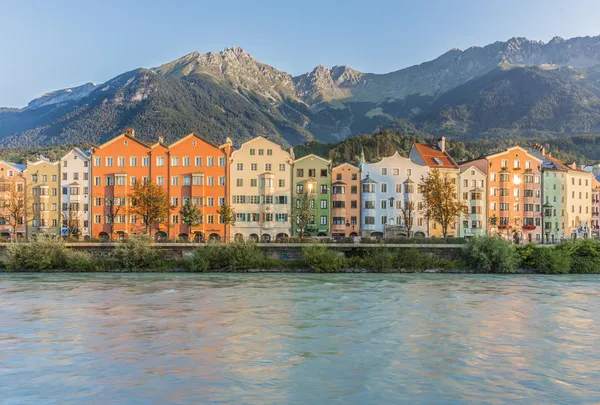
(292, 154)
(543, 150)
(161, 139)
(130, 132)
(573, 165)
(442, 144)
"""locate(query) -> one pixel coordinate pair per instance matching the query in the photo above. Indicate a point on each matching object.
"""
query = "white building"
(472, 189)
(387, 187)
(75, 194)
(260, 190)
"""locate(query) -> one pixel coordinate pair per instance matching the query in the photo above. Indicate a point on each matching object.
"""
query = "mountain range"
(518, 88)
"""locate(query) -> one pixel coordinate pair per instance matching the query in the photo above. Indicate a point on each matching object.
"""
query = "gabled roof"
(193, 135)
(314, 156)
(255, 139)
(434, 157)
(383, 159)
(346, 164)
(507, 150)
(123, 135)
(368, 180)
(471, 167)
(16, 166)
(339, 183)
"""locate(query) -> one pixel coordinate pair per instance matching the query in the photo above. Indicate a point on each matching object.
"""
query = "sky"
(50, 45)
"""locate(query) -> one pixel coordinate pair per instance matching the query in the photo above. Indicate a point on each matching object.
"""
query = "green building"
(312, 175)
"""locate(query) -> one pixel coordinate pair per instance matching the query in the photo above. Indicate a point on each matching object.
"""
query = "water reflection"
(273, 339)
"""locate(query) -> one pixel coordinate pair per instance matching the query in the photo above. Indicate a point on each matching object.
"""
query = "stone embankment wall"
(278, 251)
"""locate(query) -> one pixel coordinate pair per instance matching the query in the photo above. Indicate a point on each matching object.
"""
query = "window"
(324, 189)
(174, 180)
(210, 181)
(133, 161)
(282, 167)
(198, 161)
(323, 172)
(221, 160)
(240, 166)
(175, 161)
(299, 172)
(383, 204)
(97, 219)
(121, 161)
(64, 176)
(121, 180)
(354, 190)
(186, 161)
(97, 161)
(267, 167)
(299, 189)
(353, 204)
(383, 187)
(384, 171)
(54, 177)
(160, 180)
(323, 204)
(97, 181)
(160, 161)
(369, 205)
(239, 182)
(109, 161)
(369, 220)
(252, 152)
(323, 220)
(261, 152)
(222, 180)
(145, 161)
(210, 161)
(281, 183)
(210, 201)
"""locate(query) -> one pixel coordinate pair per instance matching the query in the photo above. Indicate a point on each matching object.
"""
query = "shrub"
(79, 261)
(321, 259)
(243, 255)
(550, 260)
(380, 259)
(41, 254)
(137, 253)
(585, 255)
(491, 254)
(525, 255)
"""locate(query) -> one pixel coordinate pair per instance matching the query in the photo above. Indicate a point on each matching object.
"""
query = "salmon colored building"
(198, 171)
(116, 166)
(514, 194)
(345, 201)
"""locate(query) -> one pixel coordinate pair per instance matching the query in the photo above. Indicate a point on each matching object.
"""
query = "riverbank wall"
(275, 251)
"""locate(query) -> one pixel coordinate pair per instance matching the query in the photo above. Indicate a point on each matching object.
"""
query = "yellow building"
(43, 184)
(578, 202)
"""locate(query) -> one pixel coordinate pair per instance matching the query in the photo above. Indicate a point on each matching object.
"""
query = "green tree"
(440, 202)
(228, 217)
(408, 215)
(150, 202)
(191, 215)
(302, 214)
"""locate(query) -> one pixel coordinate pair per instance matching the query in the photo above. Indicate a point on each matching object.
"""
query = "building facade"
(43, 184)
(13, 186)
(261, 190)
(515, 194)
(75, 188)
(197, 172)
(312, 175)
(596, 209)
(578, 202)
(345, 201)
(389, 188)
(436, 157)
(472, 189)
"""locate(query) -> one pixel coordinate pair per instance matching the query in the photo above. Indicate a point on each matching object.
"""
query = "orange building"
(116, 166)
(515, 194)
(345, 201)
(13, 187)
(198, 172)
(190, 168)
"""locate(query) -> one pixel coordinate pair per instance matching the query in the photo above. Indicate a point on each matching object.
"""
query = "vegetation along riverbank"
(481, 255)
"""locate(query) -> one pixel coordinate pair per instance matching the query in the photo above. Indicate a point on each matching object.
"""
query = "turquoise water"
(299, 339)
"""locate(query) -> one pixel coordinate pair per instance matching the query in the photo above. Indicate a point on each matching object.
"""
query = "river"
(299, 339)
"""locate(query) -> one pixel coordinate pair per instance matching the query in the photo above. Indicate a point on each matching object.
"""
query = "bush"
(380, 259)
(243, 255)
(137, 253)
(41, 254)
(233, 257)
(550, 260)
(321, 259)
(79, 261)
(584, 253)
(491, 254)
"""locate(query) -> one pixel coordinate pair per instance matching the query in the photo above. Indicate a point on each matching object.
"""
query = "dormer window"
(437, 161)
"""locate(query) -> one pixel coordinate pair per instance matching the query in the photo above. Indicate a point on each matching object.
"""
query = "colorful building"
(596, 209)
(261, 190)
(435, 157)
(387, 188)
(196, 170)
(312, 175)
(472, 189)
(75, 203)
(13, 186)
(345, 201)
(578, 202)
(43, 184)
(515, 194)
(116, 166)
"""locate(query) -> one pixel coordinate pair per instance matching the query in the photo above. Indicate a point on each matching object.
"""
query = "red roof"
(434, 157)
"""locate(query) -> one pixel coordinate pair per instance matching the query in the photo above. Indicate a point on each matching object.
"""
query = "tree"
(16, 202)
(114, 206)
(302, 214)
(71, 219)
(150, 202)
(191, 215)
(227, 215)
(408, 215)
(440, 202)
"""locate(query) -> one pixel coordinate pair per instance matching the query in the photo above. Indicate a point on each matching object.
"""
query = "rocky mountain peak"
(63, 95)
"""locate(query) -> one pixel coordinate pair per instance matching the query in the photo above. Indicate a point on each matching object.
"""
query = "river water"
(299, 339)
